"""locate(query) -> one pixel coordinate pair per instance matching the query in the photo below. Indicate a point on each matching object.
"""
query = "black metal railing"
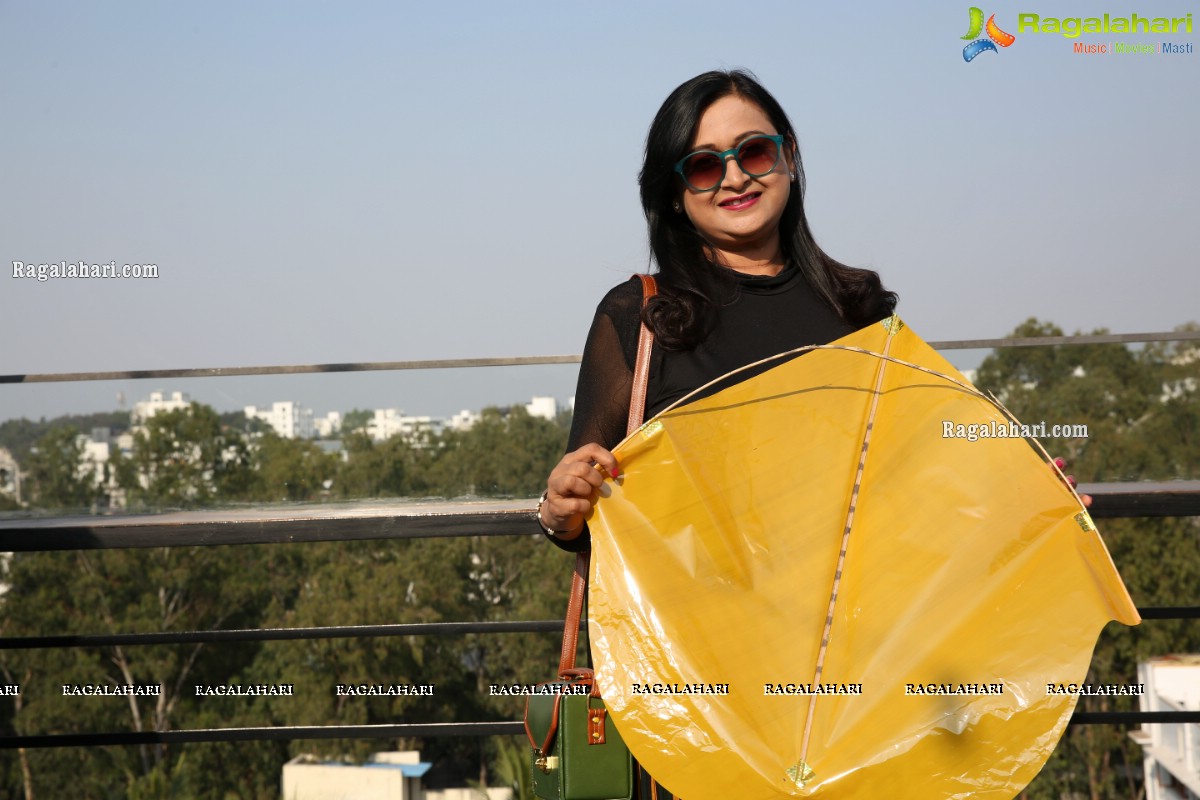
(407, 521)
(422, 520)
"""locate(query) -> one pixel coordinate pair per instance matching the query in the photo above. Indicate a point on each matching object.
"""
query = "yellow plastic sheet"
(742, 655)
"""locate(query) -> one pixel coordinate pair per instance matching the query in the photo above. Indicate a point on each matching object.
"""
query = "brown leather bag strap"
(543, 747)
(641, 372)
(637, 410)
(566, 661)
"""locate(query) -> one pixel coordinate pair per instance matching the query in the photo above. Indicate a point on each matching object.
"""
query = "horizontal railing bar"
(365, 631)
(309, 524)
(1128, 499)
(264, 734)
(422, 520)
(432, 730)
(283, 634)
(1170, 612)
(1133, 717)
(521, 361)
(292, 369)
(1044, 341)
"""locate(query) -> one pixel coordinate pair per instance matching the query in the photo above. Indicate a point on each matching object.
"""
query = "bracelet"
(538, 514)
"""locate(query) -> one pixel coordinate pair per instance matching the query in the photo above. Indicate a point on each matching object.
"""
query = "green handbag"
(576, 751)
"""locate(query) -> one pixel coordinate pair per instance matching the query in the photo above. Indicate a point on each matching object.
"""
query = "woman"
(739, 275)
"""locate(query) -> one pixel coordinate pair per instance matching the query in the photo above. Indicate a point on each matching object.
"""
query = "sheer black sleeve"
(606, 374)
(606, 379)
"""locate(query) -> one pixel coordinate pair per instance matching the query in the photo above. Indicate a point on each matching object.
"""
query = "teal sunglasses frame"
(778, 139)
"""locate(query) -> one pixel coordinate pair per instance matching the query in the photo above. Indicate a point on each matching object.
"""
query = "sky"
(361, 181)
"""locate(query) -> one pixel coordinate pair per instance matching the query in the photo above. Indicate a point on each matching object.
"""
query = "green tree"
(238, 421)
(1141, 409)
(185, 458)
(356, 420)
(58, 477)
(123, 591)
(375, 469)
(290, 469)
(507, 452)
(19, 436)
(160, 589)
(511, 768)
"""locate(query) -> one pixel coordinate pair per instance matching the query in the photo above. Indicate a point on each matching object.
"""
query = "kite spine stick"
(841, 562)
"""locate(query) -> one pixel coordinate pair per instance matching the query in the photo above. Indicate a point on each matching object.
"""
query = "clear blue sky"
(329, 182)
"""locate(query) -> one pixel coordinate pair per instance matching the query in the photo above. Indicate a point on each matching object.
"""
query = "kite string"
(805, 349)
(841, 562)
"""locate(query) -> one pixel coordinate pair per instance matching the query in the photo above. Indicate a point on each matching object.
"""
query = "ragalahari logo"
(994, 35)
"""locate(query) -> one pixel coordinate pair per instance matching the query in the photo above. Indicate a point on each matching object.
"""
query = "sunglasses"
(704, 170)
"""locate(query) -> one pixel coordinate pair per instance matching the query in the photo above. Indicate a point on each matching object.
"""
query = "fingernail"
(615, 472)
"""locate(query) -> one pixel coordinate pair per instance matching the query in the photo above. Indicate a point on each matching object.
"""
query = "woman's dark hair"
(680, 315)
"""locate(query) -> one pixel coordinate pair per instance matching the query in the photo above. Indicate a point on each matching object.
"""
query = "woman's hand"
(571, 488)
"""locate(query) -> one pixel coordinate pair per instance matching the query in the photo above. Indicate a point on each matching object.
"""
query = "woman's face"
(740, 219)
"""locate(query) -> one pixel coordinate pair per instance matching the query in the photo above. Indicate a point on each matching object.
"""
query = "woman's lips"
(741, 201)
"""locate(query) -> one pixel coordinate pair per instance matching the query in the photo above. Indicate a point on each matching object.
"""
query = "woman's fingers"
(571, 487)
(595, 454)
(1061, 463)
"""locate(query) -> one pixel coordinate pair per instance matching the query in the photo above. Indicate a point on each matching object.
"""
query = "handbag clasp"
(546, 763)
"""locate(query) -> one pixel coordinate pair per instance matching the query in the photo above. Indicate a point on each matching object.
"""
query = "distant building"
(124, 443)
(463, 420)
(328, 426)
(1172, 751)
(158, 402)
(544, 407)
(10, 475)
(387, 776)
(95, 450)
(288, 419)
(389, 422)
(94, 457)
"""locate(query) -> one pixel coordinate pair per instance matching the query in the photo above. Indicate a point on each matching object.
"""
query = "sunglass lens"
(703, 171)
(758, 156)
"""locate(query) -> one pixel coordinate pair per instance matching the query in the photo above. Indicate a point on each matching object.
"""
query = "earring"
(678, 208)
(791, 176)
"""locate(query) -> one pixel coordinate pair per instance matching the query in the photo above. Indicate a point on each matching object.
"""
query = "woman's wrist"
(566, 533)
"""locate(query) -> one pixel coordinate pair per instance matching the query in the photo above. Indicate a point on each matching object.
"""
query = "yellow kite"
(807, 585)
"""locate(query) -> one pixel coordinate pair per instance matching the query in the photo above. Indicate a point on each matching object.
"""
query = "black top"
(768, 315)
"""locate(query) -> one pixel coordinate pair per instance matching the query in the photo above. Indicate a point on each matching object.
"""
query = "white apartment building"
(94, 457)
(1172, 751)
(10, 475)
(328, 426)
(394, 775)
(389, 422)
(544, 407)
(158, 402)
(388, 776)
(463, 420)
(288, 418)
